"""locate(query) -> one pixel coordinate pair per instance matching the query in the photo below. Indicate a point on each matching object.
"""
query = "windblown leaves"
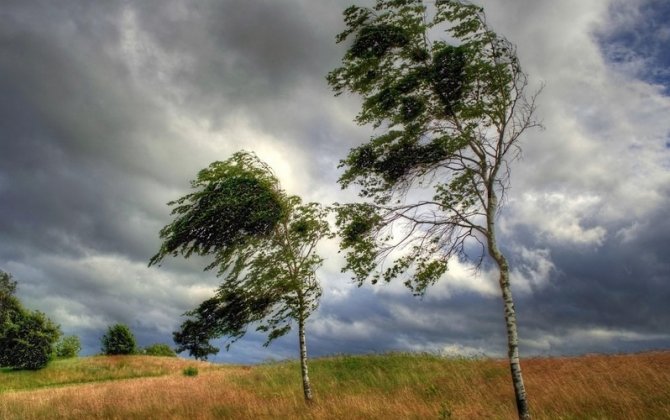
(263, 246)
(237, 200)
(358, 225)
(448, 111)
(376, 40)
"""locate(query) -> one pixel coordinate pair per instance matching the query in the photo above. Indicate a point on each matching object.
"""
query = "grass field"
(391, 386)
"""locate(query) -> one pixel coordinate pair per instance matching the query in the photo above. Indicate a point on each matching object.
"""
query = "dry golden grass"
(391, 386)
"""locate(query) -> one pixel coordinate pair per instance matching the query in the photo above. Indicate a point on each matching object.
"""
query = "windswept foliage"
(449, 114)
(263, 243)
(236, 203)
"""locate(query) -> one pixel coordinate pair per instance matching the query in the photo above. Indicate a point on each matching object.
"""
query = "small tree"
(68, 347)
(7, 285)
(263, 243)
(450, 114)
(159, 349)
(118, 340)
(26, 337)
(9, 303)
(194, 335)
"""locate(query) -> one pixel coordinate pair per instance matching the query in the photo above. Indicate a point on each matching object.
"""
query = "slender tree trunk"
(306, 386)
(510, 314)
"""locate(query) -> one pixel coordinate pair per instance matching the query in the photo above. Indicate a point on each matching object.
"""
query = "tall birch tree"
(264, 246)
(446, 95)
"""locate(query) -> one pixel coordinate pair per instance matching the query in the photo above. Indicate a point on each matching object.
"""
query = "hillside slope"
(353, 387)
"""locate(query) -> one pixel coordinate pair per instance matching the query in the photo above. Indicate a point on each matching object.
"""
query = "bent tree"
(264, 247)
(449, 115)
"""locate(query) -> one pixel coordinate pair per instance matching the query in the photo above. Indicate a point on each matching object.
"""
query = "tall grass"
(392, 386)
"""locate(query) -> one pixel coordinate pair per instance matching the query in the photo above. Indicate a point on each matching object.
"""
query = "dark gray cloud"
(107, 109)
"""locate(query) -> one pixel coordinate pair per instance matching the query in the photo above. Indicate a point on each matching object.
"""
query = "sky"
(109, 108)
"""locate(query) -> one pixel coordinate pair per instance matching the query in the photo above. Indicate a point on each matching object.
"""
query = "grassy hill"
(391, 386)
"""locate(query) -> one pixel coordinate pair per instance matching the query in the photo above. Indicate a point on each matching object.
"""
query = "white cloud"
(337, 329)
(559, 217)
(102, 289)
(534, 270)
(586, 337)
(602, 158)
(456, 349)
(463, 277)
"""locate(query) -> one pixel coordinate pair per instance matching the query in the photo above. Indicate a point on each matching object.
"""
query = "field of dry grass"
(352, 387)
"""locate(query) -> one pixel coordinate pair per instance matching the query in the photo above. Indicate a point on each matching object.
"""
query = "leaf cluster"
(362, 227)
(235, 202)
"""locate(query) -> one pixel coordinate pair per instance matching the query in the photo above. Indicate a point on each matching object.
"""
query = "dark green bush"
(26, 337)
(159, 349)
(118, 340)
(26, 340)
(191, 371)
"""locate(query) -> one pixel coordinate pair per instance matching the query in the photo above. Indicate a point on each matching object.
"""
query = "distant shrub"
(159, 349)
(191, 371)
(68, 347)
(118, 340)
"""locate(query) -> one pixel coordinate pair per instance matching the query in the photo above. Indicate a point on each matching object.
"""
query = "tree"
(194, 335)
(450, 115)
(263, 242)
(26, 337)
(118, 340)
(7, 285)
(68, 347)
(10, 307)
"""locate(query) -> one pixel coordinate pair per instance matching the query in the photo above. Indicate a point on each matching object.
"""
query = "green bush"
(68, 347)
(26, 340)
(26, 337)
(191, 371)
(118, 340)
(159, 349)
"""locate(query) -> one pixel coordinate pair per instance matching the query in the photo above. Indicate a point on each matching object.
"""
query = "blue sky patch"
(636, 40)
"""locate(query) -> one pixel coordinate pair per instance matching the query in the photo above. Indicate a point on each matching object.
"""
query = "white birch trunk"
(306, 386)
(510, 314)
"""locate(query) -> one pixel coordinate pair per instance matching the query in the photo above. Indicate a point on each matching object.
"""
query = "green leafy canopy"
(237, 201)
(263, 244)
(118, 339)
(448, 113)
(26, 337)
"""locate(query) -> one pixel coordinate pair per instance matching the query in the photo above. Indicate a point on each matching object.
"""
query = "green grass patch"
(379, 373)
(190, 371)
(88, 369)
